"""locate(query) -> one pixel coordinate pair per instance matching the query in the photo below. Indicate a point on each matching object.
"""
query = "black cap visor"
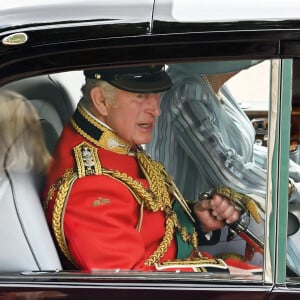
(150, 79)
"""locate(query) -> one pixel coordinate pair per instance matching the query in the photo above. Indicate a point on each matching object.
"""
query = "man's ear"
(99, 100)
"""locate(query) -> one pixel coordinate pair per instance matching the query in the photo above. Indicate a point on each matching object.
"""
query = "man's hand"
(215, 213)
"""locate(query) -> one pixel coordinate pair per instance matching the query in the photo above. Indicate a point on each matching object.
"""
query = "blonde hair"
(22, 145)
(109, 92)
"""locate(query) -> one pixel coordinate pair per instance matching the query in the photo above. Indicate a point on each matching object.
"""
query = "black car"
(46, 45)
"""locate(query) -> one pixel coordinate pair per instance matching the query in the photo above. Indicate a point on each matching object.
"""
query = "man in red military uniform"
(110, 205)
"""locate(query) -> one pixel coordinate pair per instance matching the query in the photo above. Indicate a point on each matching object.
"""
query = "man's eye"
(140, 95)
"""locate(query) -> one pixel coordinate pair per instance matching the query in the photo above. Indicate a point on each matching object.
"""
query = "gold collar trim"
(98, 134)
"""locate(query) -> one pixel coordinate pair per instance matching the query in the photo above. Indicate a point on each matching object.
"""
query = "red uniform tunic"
(101, 214)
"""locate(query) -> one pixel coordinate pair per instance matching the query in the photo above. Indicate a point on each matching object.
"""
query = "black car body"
(44, 38)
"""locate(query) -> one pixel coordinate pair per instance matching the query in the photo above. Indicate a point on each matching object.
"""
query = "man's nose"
(154, 103)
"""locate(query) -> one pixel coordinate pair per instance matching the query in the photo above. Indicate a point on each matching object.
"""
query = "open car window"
(228, 134)
(241, 158)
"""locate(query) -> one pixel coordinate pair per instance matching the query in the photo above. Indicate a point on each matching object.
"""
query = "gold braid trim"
(87, 160)
(165, 243)
(55, 186)
(136, 187)
(158, 179)
(58, 212)
(161, 198)
(135, 195)
(153, 173)
(109, 140)
(150, 203)
(194, 261)
(225, 256)
(157, 197)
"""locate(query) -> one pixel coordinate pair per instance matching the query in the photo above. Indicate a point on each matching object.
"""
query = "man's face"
(132, 115)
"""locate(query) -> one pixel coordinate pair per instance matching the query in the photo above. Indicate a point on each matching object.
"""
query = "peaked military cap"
(144, 79)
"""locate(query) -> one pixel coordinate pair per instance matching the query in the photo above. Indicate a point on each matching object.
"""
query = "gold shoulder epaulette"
(86, 163)
(87, 160)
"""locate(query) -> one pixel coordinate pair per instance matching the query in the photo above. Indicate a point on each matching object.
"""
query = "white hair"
(108, 90)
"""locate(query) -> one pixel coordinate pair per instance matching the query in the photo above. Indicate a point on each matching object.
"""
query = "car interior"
(25, 224)
(55, 97)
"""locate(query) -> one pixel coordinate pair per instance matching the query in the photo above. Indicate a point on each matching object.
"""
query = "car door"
(288, 236)
(58, 50)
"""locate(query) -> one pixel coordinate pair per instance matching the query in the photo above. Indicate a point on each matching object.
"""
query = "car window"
(254, 96)
(230, 134)
(123, 125)
(293, 209)
(243, 144)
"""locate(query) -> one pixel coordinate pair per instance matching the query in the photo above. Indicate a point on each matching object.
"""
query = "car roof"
(226, 11)
(218, 15)
(25, 14)
(38, 36)
(36, 13)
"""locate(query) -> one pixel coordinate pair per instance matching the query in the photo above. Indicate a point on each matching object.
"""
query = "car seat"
(27, 244)
(26, 241)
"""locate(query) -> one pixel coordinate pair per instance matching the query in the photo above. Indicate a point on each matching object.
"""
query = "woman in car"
(205, 139)
(22, 146)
